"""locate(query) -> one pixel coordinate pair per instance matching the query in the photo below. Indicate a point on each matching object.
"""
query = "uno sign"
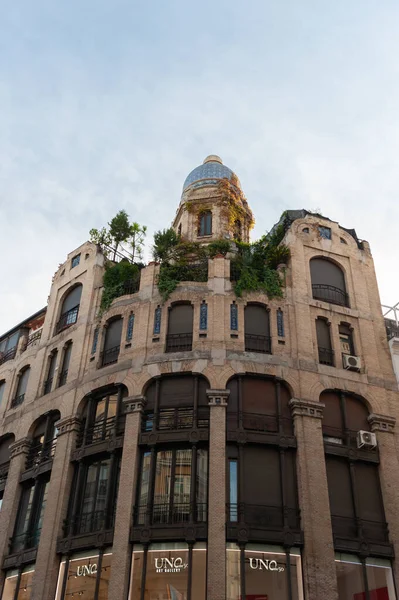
(266, 565)
(84, 570)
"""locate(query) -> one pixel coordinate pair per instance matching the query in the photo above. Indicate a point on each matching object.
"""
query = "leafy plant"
(164, 242)
(119, 229)
(114, 280)
(218, 247)
(136, 239)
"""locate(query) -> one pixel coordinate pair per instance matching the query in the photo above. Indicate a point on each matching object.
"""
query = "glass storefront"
(85, 575)
(165, 569)
(18, 586)
(355, 576)
(269, 573)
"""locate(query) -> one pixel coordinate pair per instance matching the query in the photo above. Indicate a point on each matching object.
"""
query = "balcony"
(67, 319)
(8, 355)
(110, 356)
(40, 453)
(106, 429)
(330, 293)
(17, 400)
(179, 342)
(346, 438)
(129, 287)
(361, 529)
(4, 467)
(259, 423)
(326, 356)
(90, 522)
(172, 419)
(33, 340)
(166, 513)
(258, 343)
(261, 516)
(24, 541)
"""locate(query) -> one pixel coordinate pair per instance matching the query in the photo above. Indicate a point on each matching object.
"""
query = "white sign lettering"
(84, 570)
(267, 565)
(170, 565)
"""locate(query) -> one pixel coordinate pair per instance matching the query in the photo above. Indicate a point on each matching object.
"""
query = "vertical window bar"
(98, 578)
(366, 583)
(203, 316)
(65, 577)
(242, 569)
(234, 317)
(280, 323)
(190, 571)
(157, 321)
(288, 573)
(144, 573)
(130, 325)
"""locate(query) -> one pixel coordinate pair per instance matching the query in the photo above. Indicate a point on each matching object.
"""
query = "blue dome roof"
(209, 173)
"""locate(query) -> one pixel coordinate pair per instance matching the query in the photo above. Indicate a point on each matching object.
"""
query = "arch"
(97, 393)
(328, 281)
(39, 424)
(344, 412)
(69, 307)
(5, 442)
(22, 384)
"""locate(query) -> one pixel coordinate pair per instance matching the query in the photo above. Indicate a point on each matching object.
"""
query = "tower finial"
(213, 158)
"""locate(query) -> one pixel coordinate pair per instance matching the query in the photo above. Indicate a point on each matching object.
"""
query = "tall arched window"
(48, 384)
(180, 328)
(326, 354)
(43, 440)
(112, 342)
(328, 282)
(205, 223)
(69, 308)
(23, 378)
(257, 329)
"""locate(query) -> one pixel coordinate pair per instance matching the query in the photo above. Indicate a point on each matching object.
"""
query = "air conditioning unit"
(351, 362)
(366, 439)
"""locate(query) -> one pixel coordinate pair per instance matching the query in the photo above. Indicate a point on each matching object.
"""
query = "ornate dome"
(209, 173)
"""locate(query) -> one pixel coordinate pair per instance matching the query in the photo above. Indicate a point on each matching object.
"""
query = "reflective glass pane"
(198, 585)
(233, 489)
(202, 484)
(233, 591)
(137, 570)
(162, 486)
(350, 580)
(81, 578)
(105, 576)
(182, 485)
(25, 587)
(167, 575)
(144, 482)
(265, 576)
(380, 582)
(10, 586)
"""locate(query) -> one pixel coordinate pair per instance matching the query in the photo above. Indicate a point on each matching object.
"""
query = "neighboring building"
(210, 446)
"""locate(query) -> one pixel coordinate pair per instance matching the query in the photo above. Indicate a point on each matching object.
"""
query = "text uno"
(267, 565)
(169, 565)
(84, 570)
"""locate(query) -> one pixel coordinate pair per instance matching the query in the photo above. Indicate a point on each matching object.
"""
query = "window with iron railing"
(63, 374)
(257, 329)
(23, 378)
(180, 328)
(69, 309)
(112, 342)
(328, 282)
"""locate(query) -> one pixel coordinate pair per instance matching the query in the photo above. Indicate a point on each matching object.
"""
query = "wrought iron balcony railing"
(110, 356)
(168, 513)
(266, 423)
(105, 429)
(4, 467)
(258, 343)
(170, 419)
(40, 453)
(350, 527)
(179, 342)
(330, 293)
(263, 516)
(67, 319)
(17, 400)
(89, 522)
(326, 356)
(33, 339)
(8, 355)
(24, 541)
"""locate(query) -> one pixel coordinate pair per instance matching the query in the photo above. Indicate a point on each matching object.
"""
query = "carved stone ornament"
(68, 424)
(382, 423)
(306, 408)
(133, 404)
(218, 397)
(19, 447)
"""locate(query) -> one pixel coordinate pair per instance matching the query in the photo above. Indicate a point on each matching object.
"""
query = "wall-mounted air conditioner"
(366, 439)
(351, 362)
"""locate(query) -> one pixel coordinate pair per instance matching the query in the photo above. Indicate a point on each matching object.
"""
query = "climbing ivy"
(114, 280)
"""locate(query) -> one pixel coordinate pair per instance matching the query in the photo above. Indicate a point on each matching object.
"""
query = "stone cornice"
(218, 397)
(19, 447)
(133, 404)
(306, 408)
(383, 423)
(68, 424)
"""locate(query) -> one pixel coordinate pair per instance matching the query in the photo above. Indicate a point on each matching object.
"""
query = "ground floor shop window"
(85, 576)
(18, 584)
(167, 571)
(354, 577)
(260, 572)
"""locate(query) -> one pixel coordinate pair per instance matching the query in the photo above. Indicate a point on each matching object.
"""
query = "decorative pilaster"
(318, 555)
(121, 550)
(217, 494)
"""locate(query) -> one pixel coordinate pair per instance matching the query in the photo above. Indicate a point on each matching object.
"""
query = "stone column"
(121, 551)
(318, 554)
(384, 427)
(47, 562)
(12, 493)
(217, 495)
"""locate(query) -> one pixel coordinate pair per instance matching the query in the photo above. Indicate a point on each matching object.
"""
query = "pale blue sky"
(108, 105)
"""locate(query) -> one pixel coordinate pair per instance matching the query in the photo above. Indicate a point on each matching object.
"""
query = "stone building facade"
(209, 446)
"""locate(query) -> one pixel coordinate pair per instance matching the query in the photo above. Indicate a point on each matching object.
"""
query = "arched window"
(205, 223)
(44, 440)
(23, 378)
(344, 416)
(112, 342)
(326, 354)
(328, 282)
(257, 329)
(63, 373)
(69, 308)
(180, 328)
(48, 384)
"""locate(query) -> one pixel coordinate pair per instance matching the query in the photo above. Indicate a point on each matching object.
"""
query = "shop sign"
(84, 570)
(170, 565)
(267, 565)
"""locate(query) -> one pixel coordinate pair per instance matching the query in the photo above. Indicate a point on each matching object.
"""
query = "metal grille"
(258, 343)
